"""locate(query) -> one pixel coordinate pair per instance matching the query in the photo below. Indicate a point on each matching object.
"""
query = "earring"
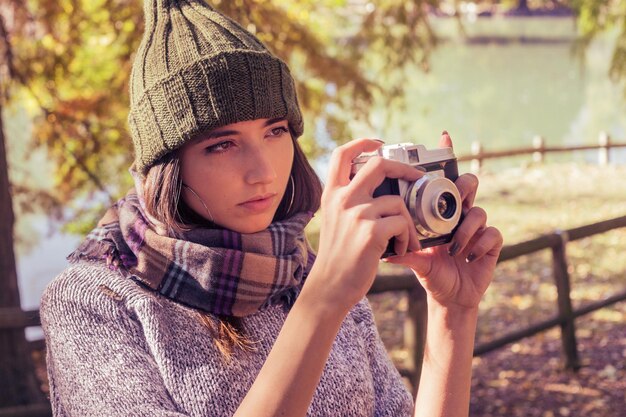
(293, 192)
(201, 201)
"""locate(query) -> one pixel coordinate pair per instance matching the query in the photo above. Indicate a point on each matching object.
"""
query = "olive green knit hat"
(196, 70)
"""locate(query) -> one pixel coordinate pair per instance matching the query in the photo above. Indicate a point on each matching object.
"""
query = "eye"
(278, 131)
(219, 147)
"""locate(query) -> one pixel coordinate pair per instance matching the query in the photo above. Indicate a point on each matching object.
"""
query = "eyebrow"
(219, 133)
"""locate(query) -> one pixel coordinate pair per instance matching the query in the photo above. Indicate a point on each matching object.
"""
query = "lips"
(259, 198)
(259, 203)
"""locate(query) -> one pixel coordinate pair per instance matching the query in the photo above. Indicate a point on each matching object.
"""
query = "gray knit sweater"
(116, 349)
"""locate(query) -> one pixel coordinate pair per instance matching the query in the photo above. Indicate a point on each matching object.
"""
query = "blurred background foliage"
(68, 63)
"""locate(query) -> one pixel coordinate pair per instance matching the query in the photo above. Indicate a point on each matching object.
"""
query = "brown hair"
(162, 190)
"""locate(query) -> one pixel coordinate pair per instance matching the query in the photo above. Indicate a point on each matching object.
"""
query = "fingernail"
(454, 248)
(470, 258)
(379, 140)
(445, 132)
(420, 168)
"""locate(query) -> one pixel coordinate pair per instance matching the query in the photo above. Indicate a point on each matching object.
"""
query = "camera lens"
(446, 205)
(434, 204)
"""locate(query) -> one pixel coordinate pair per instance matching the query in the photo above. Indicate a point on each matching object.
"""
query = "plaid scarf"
(215, 270)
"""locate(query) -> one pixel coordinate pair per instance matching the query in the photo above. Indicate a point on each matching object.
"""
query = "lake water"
(520, 79)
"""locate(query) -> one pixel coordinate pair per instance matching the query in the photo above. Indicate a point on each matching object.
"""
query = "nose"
(260, 167)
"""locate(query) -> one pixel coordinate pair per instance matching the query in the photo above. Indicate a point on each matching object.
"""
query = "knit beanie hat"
(197, 70)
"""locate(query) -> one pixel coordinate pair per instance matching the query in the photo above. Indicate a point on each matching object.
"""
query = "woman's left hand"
(458, 274)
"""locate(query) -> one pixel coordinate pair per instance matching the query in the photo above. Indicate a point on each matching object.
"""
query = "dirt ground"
(528, 378)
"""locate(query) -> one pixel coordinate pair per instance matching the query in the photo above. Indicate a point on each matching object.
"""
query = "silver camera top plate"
(412, 154)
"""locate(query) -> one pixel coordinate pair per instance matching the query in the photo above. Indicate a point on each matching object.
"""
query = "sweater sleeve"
(98, 361)
(391, 395)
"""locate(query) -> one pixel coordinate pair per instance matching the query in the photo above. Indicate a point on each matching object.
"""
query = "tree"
(73, 58)
(15, 362)
(595, 17)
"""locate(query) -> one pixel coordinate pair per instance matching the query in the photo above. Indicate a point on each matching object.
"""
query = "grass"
(526, 202)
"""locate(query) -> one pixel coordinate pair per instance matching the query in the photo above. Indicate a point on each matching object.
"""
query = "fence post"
(477, 150)
(604, 140)
(562, 280)
(539, 144)
(415, 332)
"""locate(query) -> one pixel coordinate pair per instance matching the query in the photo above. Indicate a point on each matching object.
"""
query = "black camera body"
(433, 200)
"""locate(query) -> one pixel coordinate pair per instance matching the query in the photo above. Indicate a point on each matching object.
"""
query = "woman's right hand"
(356, 227)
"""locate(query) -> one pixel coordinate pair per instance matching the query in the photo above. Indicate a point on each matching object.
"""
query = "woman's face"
(240, 171)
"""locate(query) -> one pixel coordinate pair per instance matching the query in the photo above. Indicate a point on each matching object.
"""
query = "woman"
(198, 295)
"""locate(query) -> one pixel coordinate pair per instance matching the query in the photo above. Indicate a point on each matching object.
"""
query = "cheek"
(203, 179)
(211, 199)
(209, 182)
(189, 166)
(284, 159)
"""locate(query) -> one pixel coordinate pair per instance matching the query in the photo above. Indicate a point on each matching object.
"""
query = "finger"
(445, 141)
(490, 242)
(475, 220)
(467, 184)
(421, 262)
(393, 226)
(376, 169)
(341, 159)
(401, 242)
(393, 205)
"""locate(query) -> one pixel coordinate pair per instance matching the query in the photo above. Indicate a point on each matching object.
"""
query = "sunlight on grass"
(609, 315)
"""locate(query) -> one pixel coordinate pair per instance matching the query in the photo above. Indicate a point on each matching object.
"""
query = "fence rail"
(33, 410)
(16, 318)
(538, 150)
(415, 322)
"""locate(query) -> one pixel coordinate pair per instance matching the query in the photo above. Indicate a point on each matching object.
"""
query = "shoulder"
(91, 294)
(89, 288)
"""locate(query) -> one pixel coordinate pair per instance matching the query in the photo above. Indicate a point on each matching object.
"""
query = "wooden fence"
(415, 322)
(35, 410)
(538, 150)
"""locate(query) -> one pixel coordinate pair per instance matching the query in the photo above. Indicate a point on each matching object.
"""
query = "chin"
(252, 226)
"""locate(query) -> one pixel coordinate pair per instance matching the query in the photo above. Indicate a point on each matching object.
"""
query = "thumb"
(445, 141)
(421, 262)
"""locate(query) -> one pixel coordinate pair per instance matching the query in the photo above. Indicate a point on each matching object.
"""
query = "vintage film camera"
(433, 201)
